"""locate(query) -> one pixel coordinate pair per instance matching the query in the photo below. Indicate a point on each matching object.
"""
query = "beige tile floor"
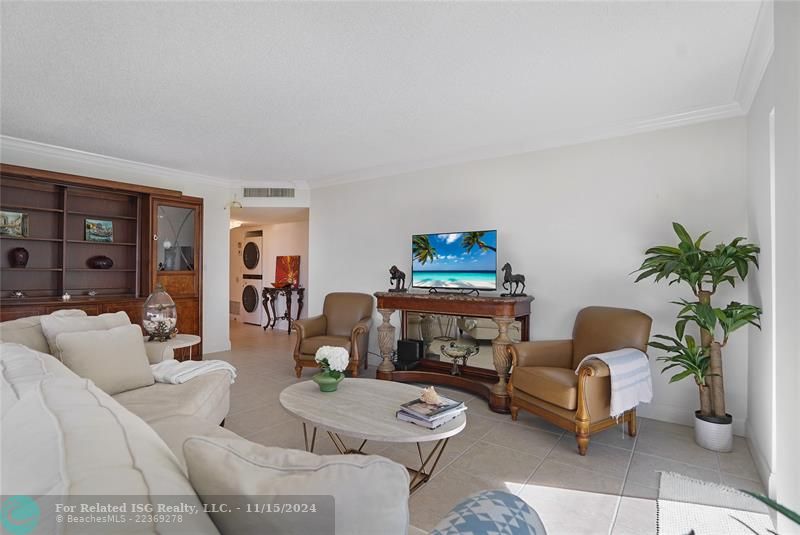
(610, 490)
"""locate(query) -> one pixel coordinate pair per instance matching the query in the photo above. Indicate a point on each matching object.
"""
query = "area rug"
(687, 505)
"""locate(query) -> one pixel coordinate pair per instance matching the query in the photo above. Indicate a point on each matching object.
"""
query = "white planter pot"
(714, 436)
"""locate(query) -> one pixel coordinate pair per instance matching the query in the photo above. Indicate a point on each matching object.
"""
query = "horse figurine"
(509, 280)
(398, 278)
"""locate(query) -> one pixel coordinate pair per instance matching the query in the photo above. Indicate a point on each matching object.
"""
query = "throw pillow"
(53, 325)
(370, 493)
(28, 331)
(114, 359)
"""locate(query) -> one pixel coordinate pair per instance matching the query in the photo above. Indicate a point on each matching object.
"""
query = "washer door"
(250, 255)
(250, 298)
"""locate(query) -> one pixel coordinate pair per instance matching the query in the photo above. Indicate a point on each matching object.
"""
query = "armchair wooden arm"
(359, 329)
(592, 395)
(552, 353)
(595, 368)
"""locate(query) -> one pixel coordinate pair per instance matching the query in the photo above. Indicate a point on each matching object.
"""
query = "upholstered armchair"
(345, 322)
(544, 382)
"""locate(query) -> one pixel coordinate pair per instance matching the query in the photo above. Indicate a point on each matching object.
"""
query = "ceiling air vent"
(268, 192)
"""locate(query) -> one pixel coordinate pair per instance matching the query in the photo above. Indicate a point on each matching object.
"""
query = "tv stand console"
(492, 385)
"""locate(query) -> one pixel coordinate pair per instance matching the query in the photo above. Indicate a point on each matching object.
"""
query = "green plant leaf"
(772, 504)
(679, 376)
(680, 328)
(681, 232)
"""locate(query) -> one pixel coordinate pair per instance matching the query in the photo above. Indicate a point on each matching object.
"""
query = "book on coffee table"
(429, 424)
(430, 411)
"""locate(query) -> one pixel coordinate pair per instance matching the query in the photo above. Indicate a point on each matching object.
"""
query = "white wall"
(279, 239)
(215, 217)
(774, 197)
(787, 256)
(761, 374)
(574, 220)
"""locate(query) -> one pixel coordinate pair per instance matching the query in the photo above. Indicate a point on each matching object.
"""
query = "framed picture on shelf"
(99, 230)
(13, 224)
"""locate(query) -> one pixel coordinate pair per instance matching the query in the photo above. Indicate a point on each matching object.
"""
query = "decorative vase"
(715, 434)
(100, 262)
(326, 382)
(18, 257)
(160, 316)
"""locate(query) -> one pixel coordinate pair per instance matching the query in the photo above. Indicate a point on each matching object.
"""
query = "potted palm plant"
(704, 270)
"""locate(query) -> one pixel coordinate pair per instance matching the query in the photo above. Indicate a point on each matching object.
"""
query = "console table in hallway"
(492, 385)
(268, 297)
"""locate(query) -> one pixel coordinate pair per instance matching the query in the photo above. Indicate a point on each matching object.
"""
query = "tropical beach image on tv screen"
(459, 260)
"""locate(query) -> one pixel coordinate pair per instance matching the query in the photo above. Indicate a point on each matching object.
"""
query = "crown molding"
(19, 151)
(759, 52)
(26, 152)
(550, 140)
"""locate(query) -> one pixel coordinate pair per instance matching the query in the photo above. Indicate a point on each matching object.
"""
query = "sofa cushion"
(7, 396)
(206, 397)
(174, 430)
(370, 492)
(309, 346)
(558, 386)
(22, 368)
(70, 438)
(114, 359)
(28, 331)
(53, 325)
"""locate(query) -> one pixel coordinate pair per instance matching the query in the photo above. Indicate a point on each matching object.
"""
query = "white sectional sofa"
(63, 437)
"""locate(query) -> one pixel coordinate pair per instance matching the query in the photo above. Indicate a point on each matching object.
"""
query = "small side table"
(178, 342)
(270, 295)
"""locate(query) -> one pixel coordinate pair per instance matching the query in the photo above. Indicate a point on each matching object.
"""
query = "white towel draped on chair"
(631, 384)
(174, 372)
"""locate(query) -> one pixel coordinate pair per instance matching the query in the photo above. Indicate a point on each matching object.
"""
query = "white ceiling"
(268, 216)
(324, 92)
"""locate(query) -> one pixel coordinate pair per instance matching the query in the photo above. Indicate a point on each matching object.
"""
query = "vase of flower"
(327, 382)
(333, 361)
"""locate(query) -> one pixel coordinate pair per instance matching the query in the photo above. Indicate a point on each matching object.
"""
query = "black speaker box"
(409, 352)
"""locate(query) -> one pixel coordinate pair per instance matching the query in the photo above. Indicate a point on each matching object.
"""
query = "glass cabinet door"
(175, 237)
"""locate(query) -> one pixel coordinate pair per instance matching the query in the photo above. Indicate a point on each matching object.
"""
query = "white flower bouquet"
(332, 360)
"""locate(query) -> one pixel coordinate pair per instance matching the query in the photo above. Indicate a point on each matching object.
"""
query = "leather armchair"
(543, 379)
(345, 322)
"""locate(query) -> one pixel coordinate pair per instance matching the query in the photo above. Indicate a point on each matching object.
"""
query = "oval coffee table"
(365, 409)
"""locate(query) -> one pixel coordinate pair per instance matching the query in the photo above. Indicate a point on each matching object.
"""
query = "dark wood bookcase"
(57, 206)
(57, 245)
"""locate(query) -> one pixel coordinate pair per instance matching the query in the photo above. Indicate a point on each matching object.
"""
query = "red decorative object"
(287, 271)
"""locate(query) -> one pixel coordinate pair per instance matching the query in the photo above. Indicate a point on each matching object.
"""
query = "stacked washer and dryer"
(252, 280)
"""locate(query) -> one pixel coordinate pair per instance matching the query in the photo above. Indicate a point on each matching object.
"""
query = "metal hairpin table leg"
(313, 438)
(421, 476)
(342, 448)
(418, 476)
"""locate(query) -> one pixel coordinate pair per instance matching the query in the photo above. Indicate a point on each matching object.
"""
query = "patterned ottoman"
(491, 512)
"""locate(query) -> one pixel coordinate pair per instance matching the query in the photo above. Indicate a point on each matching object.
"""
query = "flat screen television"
(455, 260)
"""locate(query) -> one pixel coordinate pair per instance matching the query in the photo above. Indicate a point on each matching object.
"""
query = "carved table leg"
(499, 400)
(266, 303)
(288, 294)
(300, 294)
(274, 297)
(386, 344)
